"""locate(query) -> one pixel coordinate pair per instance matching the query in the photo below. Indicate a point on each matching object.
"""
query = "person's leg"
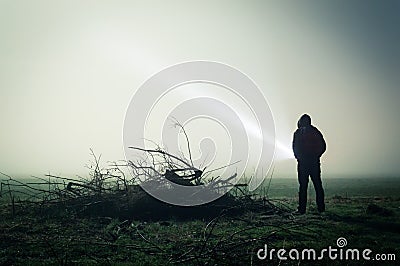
(302, 174)
(319, 191)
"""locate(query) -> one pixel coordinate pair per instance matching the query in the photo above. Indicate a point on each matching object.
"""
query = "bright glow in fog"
(283, 151)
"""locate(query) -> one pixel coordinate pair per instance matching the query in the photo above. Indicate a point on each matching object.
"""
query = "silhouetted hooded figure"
(308, 147)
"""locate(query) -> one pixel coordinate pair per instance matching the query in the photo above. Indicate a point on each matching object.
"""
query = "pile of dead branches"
(111, 190)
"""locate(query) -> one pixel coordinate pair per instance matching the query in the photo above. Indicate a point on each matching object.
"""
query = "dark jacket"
(308, 143)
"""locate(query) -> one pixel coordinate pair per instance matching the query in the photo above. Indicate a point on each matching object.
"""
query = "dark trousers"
(306, 168)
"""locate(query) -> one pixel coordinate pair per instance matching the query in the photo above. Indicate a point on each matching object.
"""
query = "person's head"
(304, 121)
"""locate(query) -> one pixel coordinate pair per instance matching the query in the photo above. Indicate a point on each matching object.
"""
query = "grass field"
(364, 211)
(344, 187)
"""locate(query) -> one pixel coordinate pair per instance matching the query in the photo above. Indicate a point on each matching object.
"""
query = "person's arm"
(323, 144)
(295, 145)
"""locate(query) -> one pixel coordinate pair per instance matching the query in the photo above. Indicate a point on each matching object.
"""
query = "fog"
(70, 68)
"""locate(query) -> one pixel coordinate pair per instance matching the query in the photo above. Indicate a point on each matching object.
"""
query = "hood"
(304, 121)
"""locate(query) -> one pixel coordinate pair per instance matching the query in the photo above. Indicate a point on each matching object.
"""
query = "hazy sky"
(69, 69)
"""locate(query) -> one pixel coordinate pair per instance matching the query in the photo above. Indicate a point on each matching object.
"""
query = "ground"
(367, 219)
